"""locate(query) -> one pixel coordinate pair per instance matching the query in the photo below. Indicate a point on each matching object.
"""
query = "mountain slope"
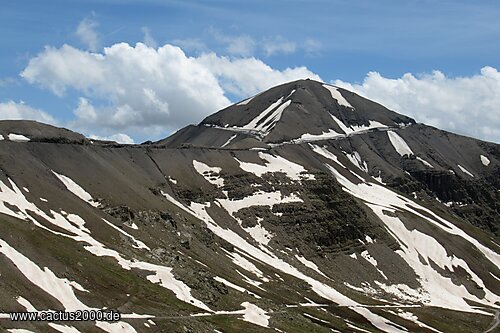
(315, 210)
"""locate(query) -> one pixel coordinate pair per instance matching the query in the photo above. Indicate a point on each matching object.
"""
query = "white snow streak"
(234, 286)
(162, 274)
(229, 140)
(76, 189)
(323, 151)
(137, 243)
(464, 170)
(45, 279)
(199, 211)
(399, 144)
(440, 291)
(307, 137)
(355, 159)
(336, 95)
(425, 162)
(60, 289)
(309, 264)
(245, 101)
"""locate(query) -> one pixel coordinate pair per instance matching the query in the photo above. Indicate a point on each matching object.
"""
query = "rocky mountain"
(306, 208)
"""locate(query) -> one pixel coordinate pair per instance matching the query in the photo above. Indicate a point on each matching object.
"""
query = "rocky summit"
(305, 208)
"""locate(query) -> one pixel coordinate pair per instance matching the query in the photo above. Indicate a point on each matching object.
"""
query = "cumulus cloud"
(139, 88)
(18, 111)
(248, 76)
(465, 105)
(87, 33)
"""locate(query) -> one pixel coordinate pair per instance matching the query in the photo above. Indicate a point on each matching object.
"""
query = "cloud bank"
(20, 111)
(145, 89)
(464, 105)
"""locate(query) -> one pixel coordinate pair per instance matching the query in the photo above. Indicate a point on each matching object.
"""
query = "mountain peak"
(297, 111)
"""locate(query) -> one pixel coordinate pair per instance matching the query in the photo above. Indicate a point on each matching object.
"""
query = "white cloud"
(148, 38)
(278, 44)
(18, 111)
(119, 137)
(248, 76)
(142, 89)
(465, 105)
(85, 111)
(87, 33)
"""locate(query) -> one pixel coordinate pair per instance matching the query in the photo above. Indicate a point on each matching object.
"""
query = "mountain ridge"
(389, 229)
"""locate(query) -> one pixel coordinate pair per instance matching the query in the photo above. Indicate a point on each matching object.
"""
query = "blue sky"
(367, 46)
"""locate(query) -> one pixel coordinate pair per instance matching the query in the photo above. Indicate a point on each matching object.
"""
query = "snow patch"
(45, 279)
(331, 134)
(259, 198)
(199, 211)
(413, 318)
(415, 245)
(275, 164)
(64, 328)
(357, 129)
(309, 264)
(425, 162)
(235, 286)
(399, 144)
(15, 197)
(245, 101)
(18, 137)
(254, 314)
(211, 174)
(137, 243)
(229, 140)
(464, 170)
(323, 151)
(267, 119)
(76, 189)
(336, 95)
(259, 233)
(485, 160)
(355, 159)
(247, 265)
(315, 318)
